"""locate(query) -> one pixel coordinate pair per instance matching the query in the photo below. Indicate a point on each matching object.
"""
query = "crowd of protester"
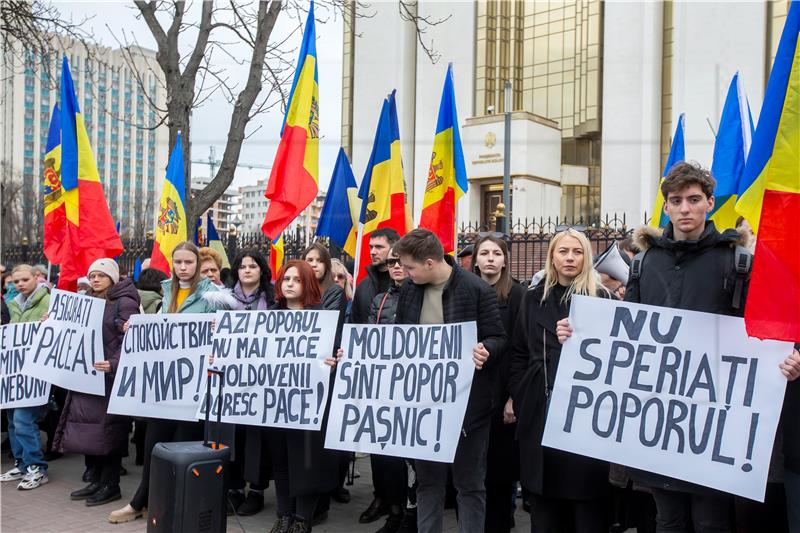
(500, 463)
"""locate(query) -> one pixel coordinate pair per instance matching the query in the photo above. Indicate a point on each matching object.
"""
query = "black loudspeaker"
(187, 483)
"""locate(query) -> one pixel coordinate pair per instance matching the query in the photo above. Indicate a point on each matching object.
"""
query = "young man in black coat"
(377, 281)
(690, 266)
(441, 293)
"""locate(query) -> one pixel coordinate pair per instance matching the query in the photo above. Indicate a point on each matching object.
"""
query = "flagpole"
(357, 258)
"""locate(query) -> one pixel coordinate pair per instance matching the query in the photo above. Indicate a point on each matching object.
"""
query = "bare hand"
(103, 366)
(791, 366)
(331, 361)
(479, 355)
(508, 412)
(125, 326)
(44, 317)
(210, 360)
(563, 330)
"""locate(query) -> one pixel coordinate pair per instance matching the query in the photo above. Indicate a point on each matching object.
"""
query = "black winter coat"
(5, 316)
(375, 283)
(503, 452)
(85, 427)
(694, 275)
(384, 306)
(535, 351)
(332, 298)
(465, 298)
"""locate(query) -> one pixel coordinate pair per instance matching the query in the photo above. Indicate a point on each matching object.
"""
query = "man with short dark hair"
(385, 478)
(690, 265)
(442, 293)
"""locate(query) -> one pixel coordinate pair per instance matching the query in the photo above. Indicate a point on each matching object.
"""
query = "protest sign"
(680, 393)
(17, 389)
(273, 365)
(402, 390)
(68, 344)
(161, 372)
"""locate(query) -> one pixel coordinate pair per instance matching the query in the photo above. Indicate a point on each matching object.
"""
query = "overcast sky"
(210, 122)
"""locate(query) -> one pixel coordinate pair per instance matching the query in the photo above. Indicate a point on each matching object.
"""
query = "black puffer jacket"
(465, 298)
(384, 306)
(693, 275)
(375, 283)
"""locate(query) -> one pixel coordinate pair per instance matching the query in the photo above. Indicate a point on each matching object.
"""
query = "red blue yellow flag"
(339, 217)
(294, 179)
(769, 197)
(90, 231)
(55, 216)
(383, 190)
(276, 257)
(447, 173)
(171, 227)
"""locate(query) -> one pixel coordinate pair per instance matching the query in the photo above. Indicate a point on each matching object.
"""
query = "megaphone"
(614, 263)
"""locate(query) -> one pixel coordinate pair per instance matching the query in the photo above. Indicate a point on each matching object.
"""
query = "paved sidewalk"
(49, 509)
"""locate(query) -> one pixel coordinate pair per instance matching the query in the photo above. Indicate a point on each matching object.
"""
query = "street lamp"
(507, 158)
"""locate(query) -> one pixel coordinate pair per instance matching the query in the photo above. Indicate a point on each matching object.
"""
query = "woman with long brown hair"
(319, 258)
(187, 291)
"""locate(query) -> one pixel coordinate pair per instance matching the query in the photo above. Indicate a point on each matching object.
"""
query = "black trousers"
(104, 468)
(557, 515)
(682, 512)
(159, 430)
(499, 495)
(301, 506)
(390, 479)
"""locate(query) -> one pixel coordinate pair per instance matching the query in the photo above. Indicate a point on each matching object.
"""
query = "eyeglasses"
(565, 227)
(393, 262)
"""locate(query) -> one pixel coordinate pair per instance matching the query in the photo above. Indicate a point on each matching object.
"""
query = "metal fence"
(528, 241)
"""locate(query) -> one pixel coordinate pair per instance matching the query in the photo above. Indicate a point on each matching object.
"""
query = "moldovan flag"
(677, 153)
(90, 232)
(55, 216)
(769, 197)
(214, 242)
(171, 228)
(339, 217)
(276, 256)
(730, 154)
(293, 182)
(447, 174)
(383, 191)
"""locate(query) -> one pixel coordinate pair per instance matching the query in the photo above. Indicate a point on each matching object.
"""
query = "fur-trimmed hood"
(645, 237)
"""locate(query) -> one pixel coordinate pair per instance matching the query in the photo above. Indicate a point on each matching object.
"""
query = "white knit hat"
(107, 266)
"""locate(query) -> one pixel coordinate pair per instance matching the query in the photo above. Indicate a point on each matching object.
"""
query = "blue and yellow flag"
(90, 231)
(383, 190)
(214, 242)
(730, 154)
(677, 153)
(769, 197)
(55, 217)
(171, 228)
(339, 217)
(447, 173)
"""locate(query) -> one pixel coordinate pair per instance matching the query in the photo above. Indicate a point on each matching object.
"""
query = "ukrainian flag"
(214, 242)
(339, 217)
(276, 257)
(769, 197)
(171, 227)
(54, 210)
(677, 153)
(90, 231)
(383, 190)
(730, 154)
(293, 181)
(447, 173)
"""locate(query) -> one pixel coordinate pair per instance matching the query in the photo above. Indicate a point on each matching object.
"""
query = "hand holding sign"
(563, 330)
(479, 355)
(791, 366)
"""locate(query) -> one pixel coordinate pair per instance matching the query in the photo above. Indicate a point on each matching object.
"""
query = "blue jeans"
(791, 482)
(23, 434)
(469, 473)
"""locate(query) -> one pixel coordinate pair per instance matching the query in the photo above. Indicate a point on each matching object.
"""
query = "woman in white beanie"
(85, 425)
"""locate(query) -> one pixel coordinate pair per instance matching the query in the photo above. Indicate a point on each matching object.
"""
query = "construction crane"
(214, 163)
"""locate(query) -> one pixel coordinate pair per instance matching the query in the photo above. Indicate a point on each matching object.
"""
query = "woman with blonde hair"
(567, 490)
